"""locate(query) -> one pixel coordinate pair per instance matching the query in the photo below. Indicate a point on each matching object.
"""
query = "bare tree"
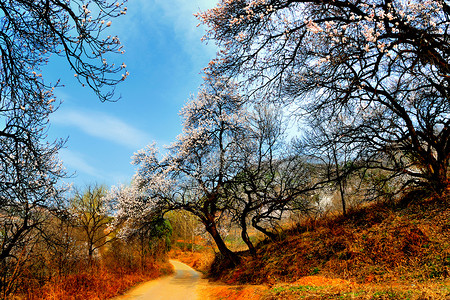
(184, 226)
(383, 65)
(324, 146)
(27, 193)
(92, 214)
(272, 180)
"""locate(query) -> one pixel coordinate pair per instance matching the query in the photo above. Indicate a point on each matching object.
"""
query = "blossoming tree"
(196, 167)
(382, 65)
(230, 161)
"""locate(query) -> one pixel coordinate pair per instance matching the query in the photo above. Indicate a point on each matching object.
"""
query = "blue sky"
(164, 56)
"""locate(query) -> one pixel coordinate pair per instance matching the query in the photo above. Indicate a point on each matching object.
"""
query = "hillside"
(380, 251)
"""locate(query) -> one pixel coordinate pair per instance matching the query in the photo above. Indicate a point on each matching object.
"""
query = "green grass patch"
(391, 294)
(306, 288)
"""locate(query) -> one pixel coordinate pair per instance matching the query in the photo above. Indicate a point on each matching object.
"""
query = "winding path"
(179, 286)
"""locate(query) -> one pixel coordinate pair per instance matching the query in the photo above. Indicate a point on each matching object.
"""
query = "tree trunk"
(212, 229)
(269, 234)
(340, 181)
(90, 256)
(244, 235)
(438, 178)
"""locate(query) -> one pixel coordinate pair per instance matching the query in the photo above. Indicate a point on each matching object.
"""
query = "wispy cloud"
(149, 15)
(77, 162)
(103, 126)
(180, 13)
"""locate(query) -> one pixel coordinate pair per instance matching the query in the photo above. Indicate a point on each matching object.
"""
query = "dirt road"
(180, 286)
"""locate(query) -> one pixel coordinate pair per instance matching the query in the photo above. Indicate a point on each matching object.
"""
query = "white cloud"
(103, 126)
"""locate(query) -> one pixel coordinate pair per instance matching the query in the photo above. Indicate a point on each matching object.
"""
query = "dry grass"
(200, 260)
(377, 252)
(219, 292)
(99, 283)
(336, 290)
(318, 287)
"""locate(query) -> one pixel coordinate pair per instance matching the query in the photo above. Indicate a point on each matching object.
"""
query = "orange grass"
(201, 260)
(99, 283)
(347, 291)
(217, 292)
(318, 287)
(400, 247)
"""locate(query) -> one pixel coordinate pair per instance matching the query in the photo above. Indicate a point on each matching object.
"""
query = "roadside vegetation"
(379, 250)
(107, 280)
(81, 255)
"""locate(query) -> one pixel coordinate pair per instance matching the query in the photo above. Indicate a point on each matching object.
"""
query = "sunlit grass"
(379, 251)
(99, 282)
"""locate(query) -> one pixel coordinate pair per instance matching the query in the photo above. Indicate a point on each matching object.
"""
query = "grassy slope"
(376, 252)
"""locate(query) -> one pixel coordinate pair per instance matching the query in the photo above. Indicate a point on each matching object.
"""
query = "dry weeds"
(98, 283)
(379, 251)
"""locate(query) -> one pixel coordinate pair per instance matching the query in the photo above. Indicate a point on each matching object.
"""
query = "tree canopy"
(380, 67)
